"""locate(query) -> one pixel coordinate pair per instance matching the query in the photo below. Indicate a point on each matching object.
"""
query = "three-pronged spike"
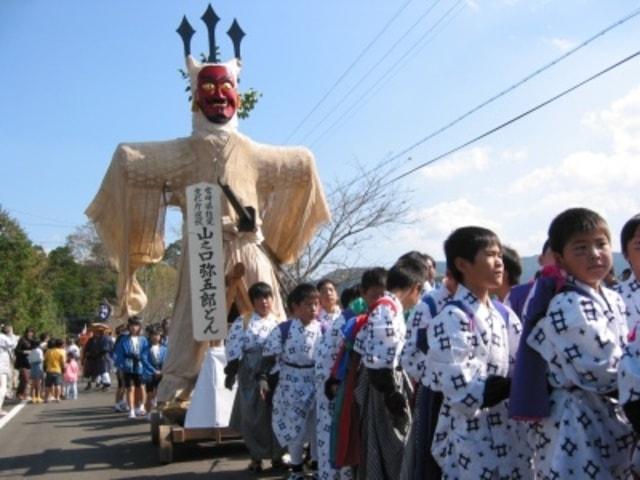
(186, 31)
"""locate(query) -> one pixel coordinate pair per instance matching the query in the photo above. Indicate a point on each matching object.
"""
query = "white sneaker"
(132, 414)
(140, 412)
(121, 407)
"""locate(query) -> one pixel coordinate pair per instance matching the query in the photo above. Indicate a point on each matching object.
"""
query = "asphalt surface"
(86, 439)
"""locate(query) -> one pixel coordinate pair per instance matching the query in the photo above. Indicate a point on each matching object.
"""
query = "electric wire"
(375, 65)
(514, 119)
(394, 69)
(349, 68)
(521, 82)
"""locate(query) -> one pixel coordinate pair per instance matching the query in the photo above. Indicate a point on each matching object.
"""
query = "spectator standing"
(71, 371)
(97, 357)
(153, 359)
(7, 344)
(54, 360)
(23, 347)
(36, 371)
(128, 358)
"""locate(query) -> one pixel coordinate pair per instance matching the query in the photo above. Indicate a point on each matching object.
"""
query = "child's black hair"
(302, 292)
(572, 222)
(325, 281)
(512, 265)
(260, 290)
(466, 242)
(628, 231)
(375, 277)
(406, 273)
(58, 343)
(348, 295)
(417, 256)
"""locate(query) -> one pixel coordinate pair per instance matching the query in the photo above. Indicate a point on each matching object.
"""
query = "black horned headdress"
(210, 19)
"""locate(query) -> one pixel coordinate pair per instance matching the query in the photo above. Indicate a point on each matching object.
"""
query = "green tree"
(24, 297)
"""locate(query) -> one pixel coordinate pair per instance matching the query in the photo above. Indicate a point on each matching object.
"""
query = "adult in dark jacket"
(24, 346)
(97, 359)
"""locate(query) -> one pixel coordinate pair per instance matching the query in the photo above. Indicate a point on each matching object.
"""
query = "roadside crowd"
(38, 369)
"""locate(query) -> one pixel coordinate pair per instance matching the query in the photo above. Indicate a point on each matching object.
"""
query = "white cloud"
(473, 5)
(562, 44)
(472, 160)
(428, 227)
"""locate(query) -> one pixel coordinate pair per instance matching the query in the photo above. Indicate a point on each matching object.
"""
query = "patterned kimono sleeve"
(629, 372)
(451, 363)
(273, 344)
(574, 338)
(233, 343)
(327, 351)
(411, 358)
(382, 342)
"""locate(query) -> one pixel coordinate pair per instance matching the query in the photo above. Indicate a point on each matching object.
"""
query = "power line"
(516, 118)
(567, 54)
(375, 65)
(60, 223)
(393, 70)
(344, 74)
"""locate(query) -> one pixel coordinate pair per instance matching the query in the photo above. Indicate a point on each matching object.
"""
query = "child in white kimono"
(629, 289)
(383, 389)
(372, 287)
(471, 346)
(292, 345)
(251, 416)
(581, 338)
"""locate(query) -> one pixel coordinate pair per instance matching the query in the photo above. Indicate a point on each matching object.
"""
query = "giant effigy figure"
(280, 185)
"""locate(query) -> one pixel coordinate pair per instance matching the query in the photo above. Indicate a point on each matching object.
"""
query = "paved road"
(86, 439)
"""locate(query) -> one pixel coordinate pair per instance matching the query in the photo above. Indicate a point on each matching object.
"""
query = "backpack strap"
(422, 343)
(284, 330)
(466, 309)
(431, 305)
(502, 310)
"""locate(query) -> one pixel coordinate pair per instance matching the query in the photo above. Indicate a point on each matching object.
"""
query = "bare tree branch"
(359, 206)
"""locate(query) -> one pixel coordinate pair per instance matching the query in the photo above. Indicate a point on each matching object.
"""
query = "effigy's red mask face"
(217, 96)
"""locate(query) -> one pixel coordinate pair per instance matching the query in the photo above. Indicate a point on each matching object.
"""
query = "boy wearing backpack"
(383, 388)
(471, 347)
(372, 287)
(581, 338)
(251, 416)
(292, 345)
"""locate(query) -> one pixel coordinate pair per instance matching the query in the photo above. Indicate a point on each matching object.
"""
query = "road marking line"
(14, 411)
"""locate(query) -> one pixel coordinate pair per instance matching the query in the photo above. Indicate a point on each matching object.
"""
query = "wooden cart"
(165, 432)
(165, 436)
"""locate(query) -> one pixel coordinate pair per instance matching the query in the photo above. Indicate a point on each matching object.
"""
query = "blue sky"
(79, 77)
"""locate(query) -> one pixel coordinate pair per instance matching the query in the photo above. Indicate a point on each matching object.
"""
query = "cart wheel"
(165, 446)
(155, 427)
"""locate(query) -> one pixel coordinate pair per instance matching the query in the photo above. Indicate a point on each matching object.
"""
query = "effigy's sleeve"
(294, 203)
(128, 212)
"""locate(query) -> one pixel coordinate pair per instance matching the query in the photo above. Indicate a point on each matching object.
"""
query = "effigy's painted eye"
(227, 86)
(208, 86)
